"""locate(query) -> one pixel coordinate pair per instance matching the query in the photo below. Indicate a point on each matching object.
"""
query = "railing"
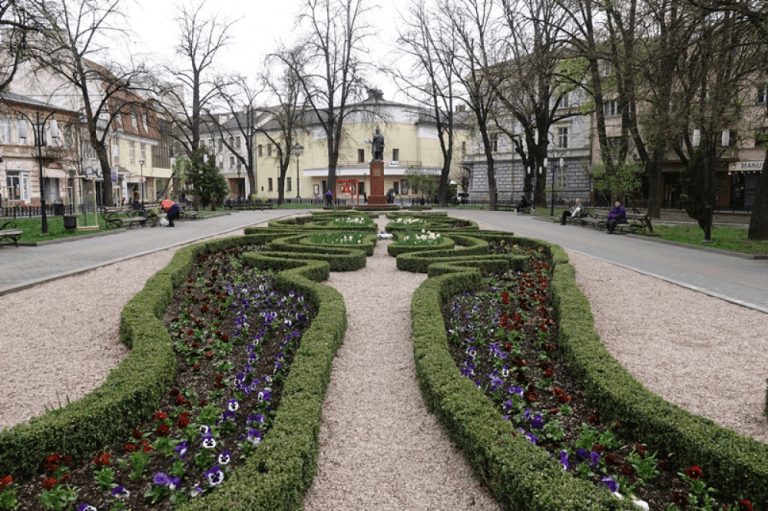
(50, 210)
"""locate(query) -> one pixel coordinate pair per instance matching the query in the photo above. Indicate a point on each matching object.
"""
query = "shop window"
(404, 186)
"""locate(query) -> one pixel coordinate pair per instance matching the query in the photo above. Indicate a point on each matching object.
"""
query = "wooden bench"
(635, 223)
(10, 231)
(188, 215)
(114, 219)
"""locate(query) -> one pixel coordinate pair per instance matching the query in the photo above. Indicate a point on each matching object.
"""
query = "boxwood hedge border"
(521, 476)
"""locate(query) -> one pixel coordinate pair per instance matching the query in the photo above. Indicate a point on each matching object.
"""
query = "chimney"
(375, 94)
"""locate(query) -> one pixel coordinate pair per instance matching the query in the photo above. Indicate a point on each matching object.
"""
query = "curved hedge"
(522, 476)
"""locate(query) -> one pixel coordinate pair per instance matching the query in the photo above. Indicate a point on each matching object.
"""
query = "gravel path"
(380, 448)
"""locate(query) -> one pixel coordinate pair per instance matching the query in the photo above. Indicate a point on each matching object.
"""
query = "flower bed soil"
(504, 337)
(214, 343)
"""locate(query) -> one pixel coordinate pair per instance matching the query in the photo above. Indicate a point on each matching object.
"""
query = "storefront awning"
(54, 173)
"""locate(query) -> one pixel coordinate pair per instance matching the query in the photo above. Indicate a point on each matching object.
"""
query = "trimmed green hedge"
(522, 476)
(395, 249)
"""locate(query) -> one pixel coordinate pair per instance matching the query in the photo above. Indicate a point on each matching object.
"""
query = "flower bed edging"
(519, 474)
(739, 463)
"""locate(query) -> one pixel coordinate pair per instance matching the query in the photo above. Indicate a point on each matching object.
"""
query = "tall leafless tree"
(200, 40)
(330, 67)
(244, 115)
(474, 23)
(430, 80)
(71, 41)
(16, 24)
(530, 84)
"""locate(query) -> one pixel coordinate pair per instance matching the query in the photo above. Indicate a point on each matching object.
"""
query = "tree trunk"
(758, 222)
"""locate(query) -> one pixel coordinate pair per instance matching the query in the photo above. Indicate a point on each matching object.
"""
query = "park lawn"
(723, 238)
(32, 228)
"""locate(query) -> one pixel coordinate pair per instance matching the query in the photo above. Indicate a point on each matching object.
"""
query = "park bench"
(9, 231)
(526, 210)
(188, 215)
(636, 223)
(121, 217)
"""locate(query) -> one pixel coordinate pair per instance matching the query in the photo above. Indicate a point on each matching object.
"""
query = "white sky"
(261, 24)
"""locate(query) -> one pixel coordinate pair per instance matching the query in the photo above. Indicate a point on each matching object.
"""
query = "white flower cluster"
(409, 221)
(355, 221)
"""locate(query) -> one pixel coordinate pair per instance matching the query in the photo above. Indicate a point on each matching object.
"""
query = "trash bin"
(58, 209)
(70, 222)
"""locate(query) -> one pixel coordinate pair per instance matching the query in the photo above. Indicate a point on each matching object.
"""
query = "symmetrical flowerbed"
(562, 426)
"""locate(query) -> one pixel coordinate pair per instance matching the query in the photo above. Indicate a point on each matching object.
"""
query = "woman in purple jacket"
(618, 215)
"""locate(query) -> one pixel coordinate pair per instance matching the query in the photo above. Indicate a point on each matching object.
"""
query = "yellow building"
(411, 142)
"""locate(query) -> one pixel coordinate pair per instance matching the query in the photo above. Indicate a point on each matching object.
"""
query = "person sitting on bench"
(523, 204)
(618, 215)
(574, 212)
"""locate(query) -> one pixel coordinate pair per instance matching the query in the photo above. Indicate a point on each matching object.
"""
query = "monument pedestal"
(377, 195)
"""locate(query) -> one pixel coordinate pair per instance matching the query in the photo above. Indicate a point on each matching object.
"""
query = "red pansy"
(5, 481)
(694, 472)
(161, 416)
(48, 483)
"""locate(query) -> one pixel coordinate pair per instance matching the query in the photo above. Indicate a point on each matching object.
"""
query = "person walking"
(329, 198)
(617, 215)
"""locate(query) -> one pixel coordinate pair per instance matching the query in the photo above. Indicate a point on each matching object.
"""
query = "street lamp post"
(298, 150)
(554, 175)
(38, 127)
(141, 184)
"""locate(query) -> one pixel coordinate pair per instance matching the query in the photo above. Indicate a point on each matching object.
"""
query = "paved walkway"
(23, 266)
(732, 278)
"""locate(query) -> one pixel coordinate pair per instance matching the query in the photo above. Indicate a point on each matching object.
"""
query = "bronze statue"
(378, 145)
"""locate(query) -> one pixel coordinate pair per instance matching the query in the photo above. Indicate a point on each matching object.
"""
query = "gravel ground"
(380, 448)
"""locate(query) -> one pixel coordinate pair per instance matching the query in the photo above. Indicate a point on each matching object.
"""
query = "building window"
(145, 122)
(259, 150)
(494, 142)
(115, 151)
(564, 101)
(288, 184)
(396, 187)
(404, 186)
(22, 132)
(132, 152)
(762, 94)
(361, 156)
(732, 136)
(231, 162)
(269, 149)
(611, 108)
(221, 143)
(464, 147)
(395, 154)
(18, 185)
(134, 121)
(5, 130)
(269, 184)
(237, 142)
(143, 151)
(562, 179)
(361, 187)
(119, 119)
(562, 138)
(414, 189)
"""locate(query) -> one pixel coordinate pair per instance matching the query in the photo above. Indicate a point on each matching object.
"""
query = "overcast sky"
(261, 24)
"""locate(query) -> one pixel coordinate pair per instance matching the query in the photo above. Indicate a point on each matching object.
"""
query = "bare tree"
(16, 23)
(200, 41)
(288, 116)
(530, 83)
(71, 31)
(472, 22)
(330, 67)
(430, 81)
(243, 118)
